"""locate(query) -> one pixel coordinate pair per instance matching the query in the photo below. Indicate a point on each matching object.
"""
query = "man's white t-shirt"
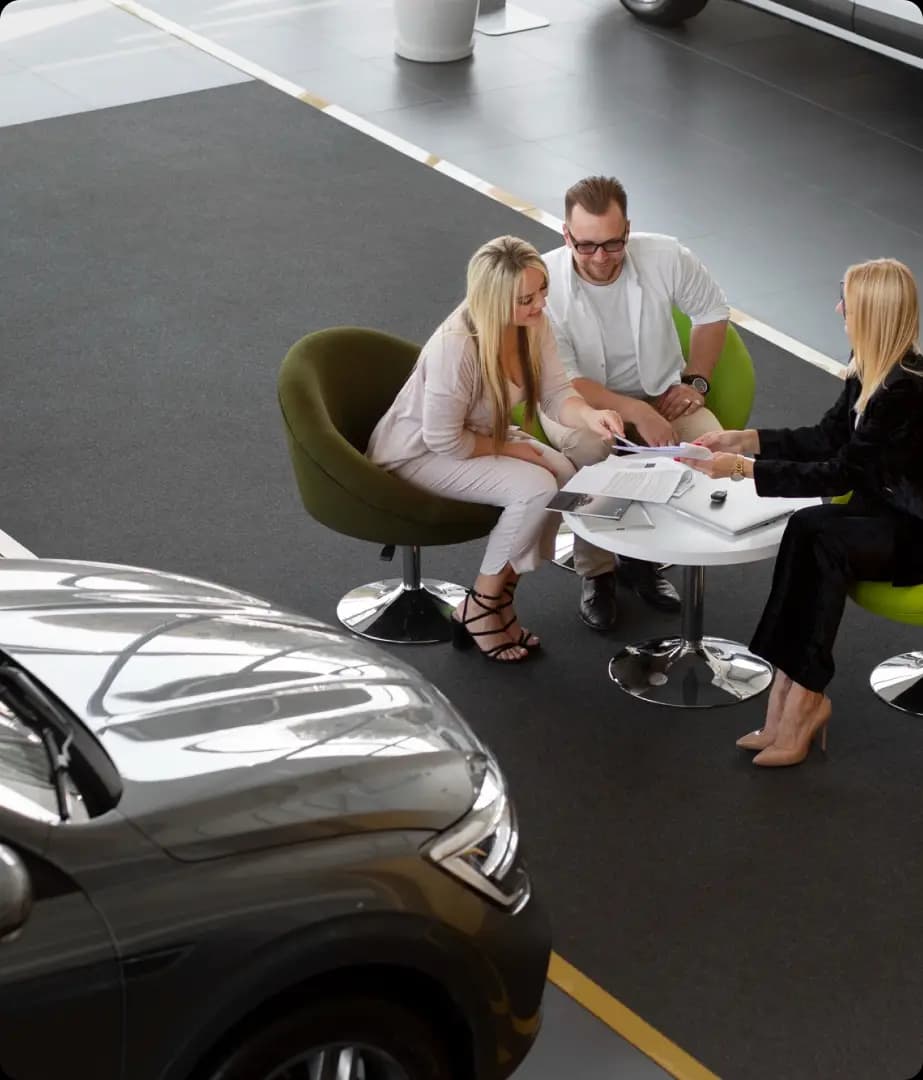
(610, 304)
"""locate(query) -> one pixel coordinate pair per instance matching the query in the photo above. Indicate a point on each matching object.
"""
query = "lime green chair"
(899, 680)
(733, 382)
(535, 429)
(730, 398)
(334, 386)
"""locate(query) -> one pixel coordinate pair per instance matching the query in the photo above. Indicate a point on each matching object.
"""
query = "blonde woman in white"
(448, 431)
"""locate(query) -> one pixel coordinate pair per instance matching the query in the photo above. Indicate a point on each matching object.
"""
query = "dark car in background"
(893, 27)
(236, 844)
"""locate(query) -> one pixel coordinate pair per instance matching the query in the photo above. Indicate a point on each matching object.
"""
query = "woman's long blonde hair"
(882, 313)
(494, 273)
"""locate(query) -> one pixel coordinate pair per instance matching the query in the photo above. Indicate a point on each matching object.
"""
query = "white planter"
(435, 31)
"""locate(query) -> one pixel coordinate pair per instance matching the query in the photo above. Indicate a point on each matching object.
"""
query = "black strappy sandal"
(524, 634)
(463, 636)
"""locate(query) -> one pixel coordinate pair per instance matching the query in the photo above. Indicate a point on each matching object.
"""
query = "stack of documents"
(621, 445)
(653, 479)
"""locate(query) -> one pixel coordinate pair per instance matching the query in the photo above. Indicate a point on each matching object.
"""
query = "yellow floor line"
(624, 1022)
(522, 206)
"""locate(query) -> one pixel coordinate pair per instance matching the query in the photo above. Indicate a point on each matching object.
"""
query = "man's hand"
(653, 429)
(605, 423)
(679, 400)
(526, 451)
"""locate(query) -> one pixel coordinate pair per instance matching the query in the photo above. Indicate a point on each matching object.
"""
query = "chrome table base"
(690, 671)
(693, 675)
(899, 682)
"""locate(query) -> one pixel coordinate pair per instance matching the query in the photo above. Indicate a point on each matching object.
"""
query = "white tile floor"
(68, 56)
(25, 95)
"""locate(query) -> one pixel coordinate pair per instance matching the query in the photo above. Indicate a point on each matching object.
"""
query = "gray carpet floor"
(159, 259)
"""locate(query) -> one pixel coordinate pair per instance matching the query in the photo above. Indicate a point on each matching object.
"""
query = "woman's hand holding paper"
(733, 442)
(718, 466)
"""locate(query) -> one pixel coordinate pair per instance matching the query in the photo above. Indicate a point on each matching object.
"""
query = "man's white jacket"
(660, 273)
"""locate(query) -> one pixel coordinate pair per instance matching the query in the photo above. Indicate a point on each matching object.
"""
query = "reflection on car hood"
(227, 717)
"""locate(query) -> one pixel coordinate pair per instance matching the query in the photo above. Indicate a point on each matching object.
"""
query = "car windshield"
(26, 786)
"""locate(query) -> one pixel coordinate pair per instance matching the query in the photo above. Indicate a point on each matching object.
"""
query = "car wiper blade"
(59, 757)
(35, 709)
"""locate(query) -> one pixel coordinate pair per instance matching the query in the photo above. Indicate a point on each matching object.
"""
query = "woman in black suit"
(870, 443)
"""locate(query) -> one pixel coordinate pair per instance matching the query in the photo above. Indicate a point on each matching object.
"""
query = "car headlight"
(481, 848)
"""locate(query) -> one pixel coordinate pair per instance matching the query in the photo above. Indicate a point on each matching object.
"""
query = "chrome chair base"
(899, 682)
(391, 611)
(690, 674)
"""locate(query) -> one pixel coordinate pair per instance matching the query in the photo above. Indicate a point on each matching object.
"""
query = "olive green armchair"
(730, 398)
(334, 386)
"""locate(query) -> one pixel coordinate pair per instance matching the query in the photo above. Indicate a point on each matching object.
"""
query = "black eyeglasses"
(587, 247)
(843, 299)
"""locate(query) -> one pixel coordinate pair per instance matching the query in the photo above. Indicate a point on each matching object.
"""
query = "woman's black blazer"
(879, 459)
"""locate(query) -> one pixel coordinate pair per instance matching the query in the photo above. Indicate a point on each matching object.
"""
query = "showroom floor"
(779, 154)
(784, 178)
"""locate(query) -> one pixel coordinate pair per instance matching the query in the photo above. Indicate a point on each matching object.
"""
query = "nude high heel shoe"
(755, 740)
(793, 755)
(766, 735)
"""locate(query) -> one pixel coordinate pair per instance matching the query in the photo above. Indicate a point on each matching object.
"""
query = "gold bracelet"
(737, 473)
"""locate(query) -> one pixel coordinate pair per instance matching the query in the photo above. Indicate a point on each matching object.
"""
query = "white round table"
(692, 670)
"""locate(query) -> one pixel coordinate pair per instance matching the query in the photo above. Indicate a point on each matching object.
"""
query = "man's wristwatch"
(737, 473)
(697, 382)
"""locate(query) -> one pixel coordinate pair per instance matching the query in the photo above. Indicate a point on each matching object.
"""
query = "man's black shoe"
(648, 582)
(597, 601)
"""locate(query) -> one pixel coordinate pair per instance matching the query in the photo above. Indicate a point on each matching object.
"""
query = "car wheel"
(664, 12)
(348, 1038)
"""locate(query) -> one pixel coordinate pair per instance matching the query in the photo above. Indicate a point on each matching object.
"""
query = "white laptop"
(741, 511)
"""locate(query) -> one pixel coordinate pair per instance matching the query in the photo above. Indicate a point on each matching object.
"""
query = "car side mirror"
(15, 893)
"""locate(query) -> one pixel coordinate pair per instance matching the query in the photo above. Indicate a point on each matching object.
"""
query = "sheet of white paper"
(630, 478)
(689, 450)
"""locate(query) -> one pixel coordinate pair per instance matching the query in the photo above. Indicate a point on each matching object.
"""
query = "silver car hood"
(233, 723)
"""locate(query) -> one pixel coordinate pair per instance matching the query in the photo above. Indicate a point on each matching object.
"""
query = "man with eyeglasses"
(610, 302)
